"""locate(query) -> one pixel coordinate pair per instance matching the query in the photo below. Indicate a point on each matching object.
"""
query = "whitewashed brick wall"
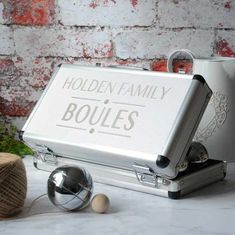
(6, 40)
(107, 13)
(35, 36)
(158, 43)
(198, 14)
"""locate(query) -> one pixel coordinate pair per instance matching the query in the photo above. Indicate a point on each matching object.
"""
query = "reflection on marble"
(209, 211)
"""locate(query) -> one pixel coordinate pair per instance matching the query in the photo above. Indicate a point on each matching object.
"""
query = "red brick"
(228, 5)
(178, 65)
(7, 66)
(14, 108)
(33, 12)
(42, 70)
(182, 65)
(134, 3)
(224, 49)
(126, 62)
(160, 65)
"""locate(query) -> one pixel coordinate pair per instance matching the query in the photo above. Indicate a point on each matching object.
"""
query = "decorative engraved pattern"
(219, 102)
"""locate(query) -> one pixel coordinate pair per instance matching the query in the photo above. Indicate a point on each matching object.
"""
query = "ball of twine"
(13, 184)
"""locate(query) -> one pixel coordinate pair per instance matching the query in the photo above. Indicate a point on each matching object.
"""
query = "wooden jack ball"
(100, 203)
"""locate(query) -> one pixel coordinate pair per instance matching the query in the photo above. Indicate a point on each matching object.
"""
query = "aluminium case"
(124, 119)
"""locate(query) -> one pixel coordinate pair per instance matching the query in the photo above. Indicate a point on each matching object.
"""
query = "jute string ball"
(13, 184)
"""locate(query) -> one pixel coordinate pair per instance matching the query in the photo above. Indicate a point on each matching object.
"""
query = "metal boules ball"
(197, 153)
(70, 188)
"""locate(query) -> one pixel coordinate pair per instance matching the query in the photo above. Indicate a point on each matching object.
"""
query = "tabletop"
(208, 211)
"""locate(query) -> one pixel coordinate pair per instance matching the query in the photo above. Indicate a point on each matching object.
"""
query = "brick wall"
(36, 35)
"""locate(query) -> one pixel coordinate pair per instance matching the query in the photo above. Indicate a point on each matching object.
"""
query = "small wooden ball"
(100, 203)
(13, 184)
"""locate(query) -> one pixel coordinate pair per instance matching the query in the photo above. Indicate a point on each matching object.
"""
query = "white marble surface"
(209, 211)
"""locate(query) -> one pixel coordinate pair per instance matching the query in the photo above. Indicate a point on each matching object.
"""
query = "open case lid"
(118, 117)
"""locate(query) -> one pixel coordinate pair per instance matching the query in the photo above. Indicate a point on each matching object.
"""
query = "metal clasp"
(145, 175)
(46, 155)
(49, 158)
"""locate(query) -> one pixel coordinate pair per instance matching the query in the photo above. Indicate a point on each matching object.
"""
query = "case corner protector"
(200, 78)
(162, 161)
(174, 195)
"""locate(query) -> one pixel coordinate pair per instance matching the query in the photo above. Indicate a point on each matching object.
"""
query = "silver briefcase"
(130, 128)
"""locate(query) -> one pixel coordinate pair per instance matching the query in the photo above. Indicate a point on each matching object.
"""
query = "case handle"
(123, 67)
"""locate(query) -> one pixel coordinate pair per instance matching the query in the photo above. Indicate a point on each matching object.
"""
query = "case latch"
(45, 154)
(145, 175)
